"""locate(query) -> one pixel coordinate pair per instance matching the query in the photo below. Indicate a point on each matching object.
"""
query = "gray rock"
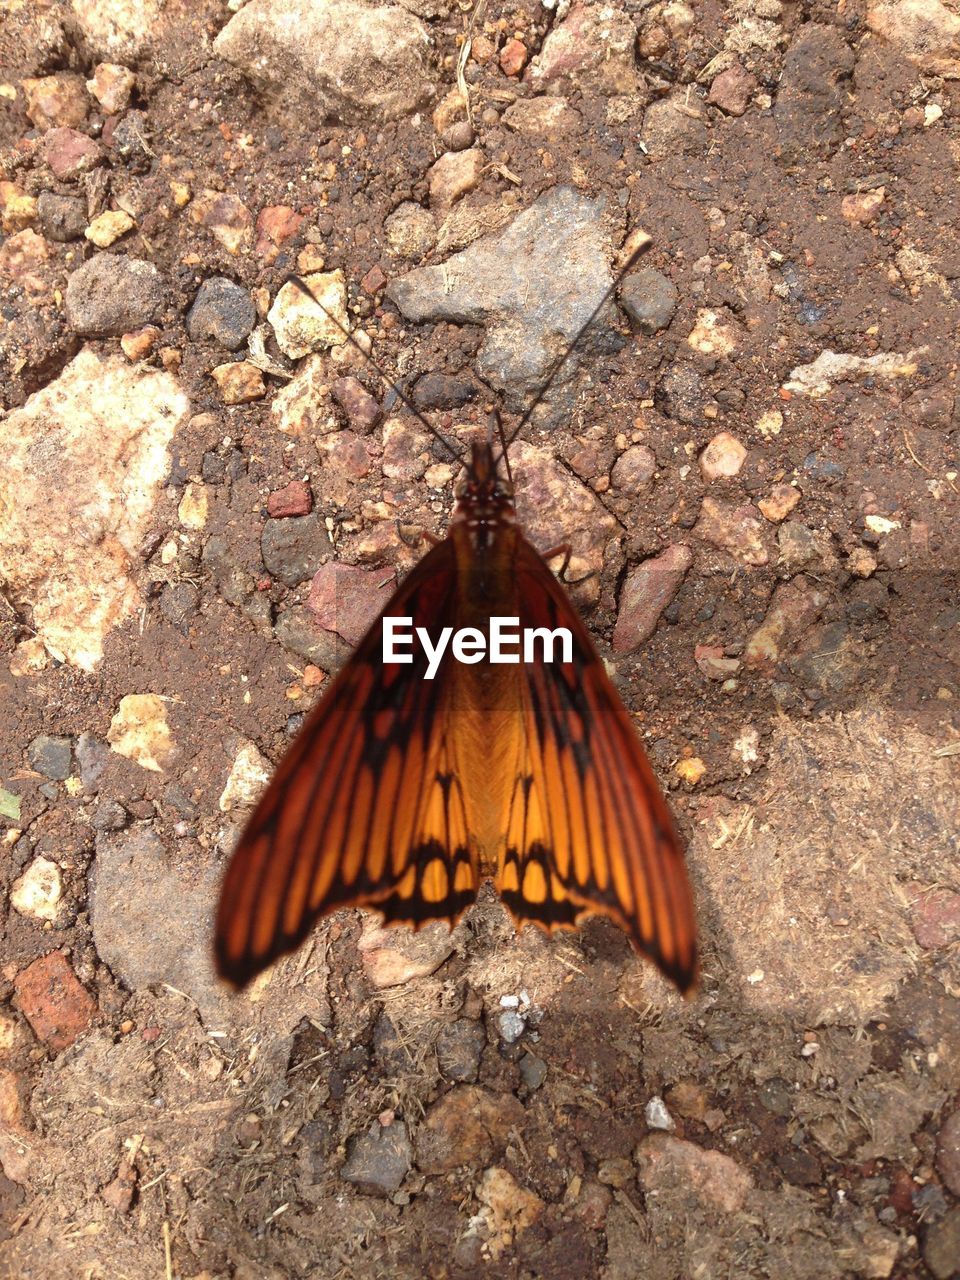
(233, 582)
(179, 602)
(533, 286)
(442, 391)
(512, 1026)
(222, 312)
(941, 1248)
(335, 59)
(61, 218)
(113, 293)
(293, 548)
(130, 140)
(649, 299)
(821, 468)
(811, 92)
(681, 393)
(379, 1160)
(459, 1047)
(533, 1070)
(411, 230)
(51, 757)
(93, 756)
(297, 629)
(130, 875)
(109, 815)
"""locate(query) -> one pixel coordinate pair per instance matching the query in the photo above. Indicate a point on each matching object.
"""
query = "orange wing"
(587, 829)
(366, 808)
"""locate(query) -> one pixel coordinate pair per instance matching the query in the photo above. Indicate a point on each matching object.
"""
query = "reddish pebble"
(935, 918)
(276, 224)
(513, 57)
(363, 412)
(53, 1001)
(294, 499)
(69, 153)
(150, 1034)
(374, 280)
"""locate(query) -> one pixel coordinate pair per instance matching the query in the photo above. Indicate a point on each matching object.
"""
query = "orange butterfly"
(403, 793)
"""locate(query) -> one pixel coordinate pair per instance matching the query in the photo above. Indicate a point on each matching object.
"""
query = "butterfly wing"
(587, 829)
(366, 808)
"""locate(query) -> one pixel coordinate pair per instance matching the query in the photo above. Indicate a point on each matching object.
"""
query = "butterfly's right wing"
(365, 809)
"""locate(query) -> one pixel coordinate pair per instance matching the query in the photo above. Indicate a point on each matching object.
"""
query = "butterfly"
(408, 786)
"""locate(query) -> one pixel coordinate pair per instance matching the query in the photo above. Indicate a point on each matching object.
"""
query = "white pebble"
(657, 1115)
(38, 891)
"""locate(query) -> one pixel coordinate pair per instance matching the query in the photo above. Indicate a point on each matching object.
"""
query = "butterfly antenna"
(503, 444)
(641, 248)
(398, 392)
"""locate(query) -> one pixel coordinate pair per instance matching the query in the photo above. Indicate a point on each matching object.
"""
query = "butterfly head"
(484, 495)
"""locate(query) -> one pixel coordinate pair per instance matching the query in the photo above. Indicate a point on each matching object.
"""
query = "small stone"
(453, 175)
(113, 293)
(239, 381)
(194, 505)
(29, 657)
(468, 1126)
(70, 154)
(411, 230)
(61, 218)
(306, 322)
(861, 562)
(770, 423)
(222, 312)
(17, 210)
(802, 547)
(139, 731)
(507, 1210)
(616, 1171)
(109, 815)
(533, 1071)
(14, 1110)
(346, 598)
(715, 333)
(138, 344)
(112, 85)
(649, 299)
(735, 529)
(56, 101)
(668, 1164)
(691, 770)
(648, 590)
(93, 757)
(55, 1004)
(657, 1116)
(119, 1193)
(591, 1203)
(362, 409)
(513, 57)
(373, 281)
(226, 217)
(276, 224)
(293, 548)
(459, 1048)
(443, 391)
(634, 470)
(935, 921)
(179, 602)
(459, 136)
(542, 115)
(294, 499)
(38, 891)
(52, 757)
(820, 468)
(391, 956)
(722, 458)
(732, 90)
(941, 1246)
(779, 502)
(21, 257)
(108, 227)
(248, 776)
(511, 1025)
(378, 1161)
(711, 661)
(864, 206)
(794, 608)
(404, 450)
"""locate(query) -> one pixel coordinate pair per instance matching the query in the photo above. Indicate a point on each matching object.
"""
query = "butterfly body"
(402, 793)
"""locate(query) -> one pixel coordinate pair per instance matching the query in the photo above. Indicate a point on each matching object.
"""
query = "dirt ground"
(776, 392)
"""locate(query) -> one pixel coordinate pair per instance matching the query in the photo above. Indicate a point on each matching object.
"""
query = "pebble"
(941, 1245)
(138, 344)
(649, 299)
(732, 90)
(193, 507)
(276, 224)
(864, 206)
(820, 468)
(378, 1161)
(861, 562)
(361, 408)
(593, 48)
(507, 1209)
(391, 957)
(293, 548)
(57, 1006)
(667, 1164)
(469, 1126)
(239, 382)
(308, 322)
(533, 1070)
(542, 115)
(411, 230)
(112, 85)
(222, 312)
(779, 502)
(140, 732)
(21, 256)
(297, 629)
(70, 154)
(722, 458)
(691, 770)
(179, 602)
(443, 391)
(588, 1201)
(648, 589)
(109, 227)
(58, 101)
(615, 1171)
(225, 216)
(793, 609)
(712, 662)
(109, 815)
(61, 218)
(294, 499)
(119, 1192)
(733, 528)
(674, 125)
(634, 470)
(512, 1026)
(113, 293)
(513, 57)
(405, 455)
(657, 1116)
(715, 333)
(682, 390)
(347, 598)
(14, 1111)
(460, 1045)
(37, 893)
(453, 175)
(249, 774)
(93, 756)
(935, 920)
(52, 757)
(17, 210)
(458, 136)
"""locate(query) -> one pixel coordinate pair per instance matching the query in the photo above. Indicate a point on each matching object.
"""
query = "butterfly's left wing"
(587, 829)
(366, 808)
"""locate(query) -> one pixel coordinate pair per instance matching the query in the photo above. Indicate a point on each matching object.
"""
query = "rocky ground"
(205, 491)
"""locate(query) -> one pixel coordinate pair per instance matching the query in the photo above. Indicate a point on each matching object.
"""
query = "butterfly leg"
(414, 540)
(566, 551)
